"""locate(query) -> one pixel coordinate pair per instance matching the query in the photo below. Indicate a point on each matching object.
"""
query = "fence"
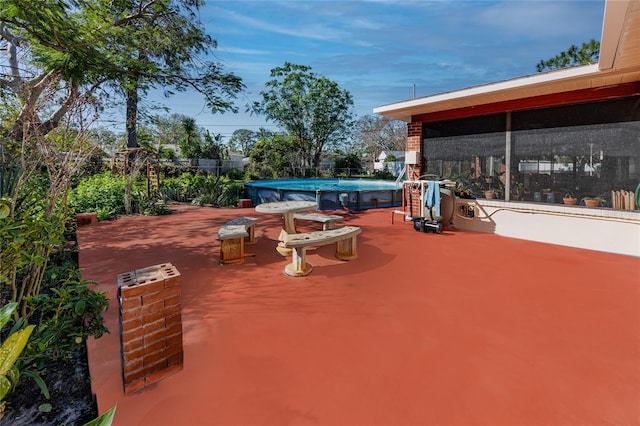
(216, 167)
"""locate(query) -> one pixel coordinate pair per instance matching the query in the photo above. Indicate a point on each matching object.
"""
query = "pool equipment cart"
(437, 204)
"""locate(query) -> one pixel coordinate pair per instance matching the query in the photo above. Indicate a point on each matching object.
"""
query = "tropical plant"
(519, 188)
(461, 191)
(190, 142)
(212, 147)
(218, 191)
(10, 350)
(105, 419)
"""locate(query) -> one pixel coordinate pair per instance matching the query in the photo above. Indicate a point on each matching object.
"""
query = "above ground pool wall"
(330, 200)
(607, 230)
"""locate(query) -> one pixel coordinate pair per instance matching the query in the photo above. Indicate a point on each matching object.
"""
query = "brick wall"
(414, 143)
(150, 307)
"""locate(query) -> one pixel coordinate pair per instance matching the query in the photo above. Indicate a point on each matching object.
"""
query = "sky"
(382, 51)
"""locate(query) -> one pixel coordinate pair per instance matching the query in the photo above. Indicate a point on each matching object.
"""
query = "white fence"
(208, 165)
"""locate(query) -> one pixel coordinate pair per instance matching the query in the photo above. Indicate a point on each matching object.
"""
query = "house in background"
(536, 138)
(392, 161)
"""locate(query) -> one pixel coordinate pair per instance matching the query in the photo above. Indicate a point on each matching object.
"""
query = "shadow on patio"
(460, 328)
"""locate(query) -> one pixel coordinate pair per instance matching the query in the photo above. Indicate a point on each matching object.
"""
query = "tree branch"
(56, 116)
(141, 12)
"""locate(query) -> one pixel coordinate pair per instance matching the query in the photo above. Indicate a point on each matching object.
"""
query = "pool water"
(330, 194)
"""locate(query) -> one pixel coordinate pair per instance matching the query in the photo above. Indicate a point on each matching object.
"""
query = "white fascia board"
(614, 16)
(531, 80)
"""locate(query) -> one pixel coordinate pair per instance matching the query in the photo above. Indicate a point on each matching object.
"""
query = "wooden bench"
(328, 220)
(233, 236)
(345, 238)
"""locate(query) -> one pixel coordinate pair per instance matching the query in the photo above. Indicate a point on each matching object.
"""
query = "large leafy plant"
(10, 350)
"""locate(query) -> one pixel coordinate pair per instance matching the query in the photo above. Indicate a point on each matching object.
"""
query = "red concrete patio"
(422, 329)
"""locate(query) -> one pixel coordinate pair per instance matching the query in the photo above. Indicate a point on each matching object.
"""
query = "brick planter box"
(83, 219)
(149, 302)
(244, 203)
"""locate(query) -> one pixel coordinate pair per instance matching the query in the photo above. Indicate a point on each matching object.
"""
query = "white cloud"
(538, 19)
(242, 51)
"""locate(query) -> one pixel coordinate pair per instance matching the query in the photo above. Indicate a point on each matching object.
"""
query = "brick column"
(150, 307)
(414, 143)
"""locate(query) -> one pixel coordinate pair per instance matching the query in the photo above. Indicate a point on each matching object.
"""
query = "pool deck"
(460, 328)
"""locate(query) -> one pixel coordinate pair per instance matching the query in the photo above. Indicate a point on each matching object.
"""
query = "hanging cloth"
(432, 196)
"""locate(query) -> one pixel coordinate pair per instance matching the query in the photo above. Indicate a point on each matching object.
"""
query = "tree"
(167, 131)
(375, 134)
(106, 140)
(87, 46)
(37, 173)
(190, 142)
(312, 109)
(586, 54)
(349, 163)
(170, 39)
(272, 156)
(243, 140)
(213, 147)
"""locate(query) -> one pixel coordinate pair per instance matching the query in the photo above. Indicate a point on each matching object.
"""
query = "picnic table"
(287, 209)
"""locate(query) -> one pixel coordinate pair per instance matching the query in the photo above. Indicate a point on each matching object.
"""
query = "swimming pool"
(330, 194)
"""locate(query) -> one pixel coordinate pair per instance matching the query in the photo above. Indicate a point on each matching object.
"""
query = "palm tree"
(189, 145)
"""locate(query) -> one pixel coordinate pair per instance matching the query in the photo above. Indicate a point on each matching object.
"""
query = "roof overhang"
(619, 65)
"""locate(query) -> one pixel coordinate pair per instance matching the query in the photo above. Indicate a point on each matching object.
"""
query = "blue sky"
(379, 49)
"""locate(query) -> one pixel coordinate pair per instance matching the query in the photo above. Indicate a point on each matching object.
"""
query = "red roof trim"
(555, 99)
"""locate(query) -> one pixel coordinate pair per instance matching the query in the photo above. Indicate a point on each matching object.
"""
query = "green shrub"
(249, 175)
(173, 170)
(104, 195)
(209, 191)
(181, 188)
(26, 241)
(69, 312)
(231, 193)
(151, 206)
(235, 174)
(384, 174)
(219, 192)
(95, 165)
(101, 193)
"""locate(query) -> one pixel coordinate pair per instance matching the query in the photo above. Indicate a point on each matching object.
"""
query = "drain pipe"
(549, 213)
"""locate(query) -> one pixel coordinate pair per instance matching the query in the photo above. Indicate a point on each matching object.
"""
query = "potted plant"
(569, 199)
(462, 192)
(519, 191)
(490, 193)
(594, 201)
